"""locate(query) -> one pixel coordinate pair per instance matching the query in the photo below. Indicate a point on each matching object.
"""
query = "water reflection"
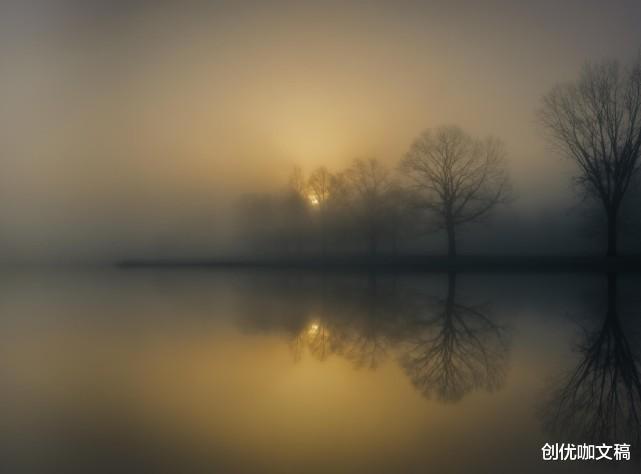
(359, 324)
(289, 372)
(452, 349)
(599, 401)
(446, 348)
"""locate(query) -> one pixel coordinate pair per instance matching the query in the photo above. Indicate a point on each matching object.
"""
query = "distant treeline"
(445, 180)
(449, 178)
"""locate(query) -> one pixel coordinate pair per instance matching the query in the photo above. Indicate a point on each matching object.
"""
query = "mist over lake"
(325, 237)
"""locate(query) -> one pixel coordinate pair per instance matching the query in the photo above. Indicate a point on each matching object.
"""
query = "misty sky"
(130, 126)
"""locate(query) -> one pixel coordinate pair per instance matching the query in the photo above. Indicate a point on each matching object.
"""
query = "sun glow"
(313, 200)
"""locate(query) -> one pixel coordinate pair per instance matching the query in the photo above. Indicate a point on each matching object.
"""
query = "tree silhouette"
(373, 199)
(600, 400)
(329, 196)
(294, 235)
(455, 178)
(596, 121)
(455, 350)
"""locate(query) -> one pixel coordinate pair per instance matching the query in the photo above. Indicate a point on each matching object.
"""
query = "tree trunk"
(612, 232)
(451, 241)
(451, 292)
(612, 295)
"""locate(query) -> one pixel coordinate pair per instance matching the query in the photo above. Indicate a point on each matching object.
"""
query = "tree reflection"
(600, 400)
(317, 337)
(357, 325)
(454, 350)
(368, 346)
(445, 347)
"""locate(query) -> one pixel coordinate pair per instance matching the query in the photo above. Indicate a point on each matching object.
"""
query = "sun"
(313, 200)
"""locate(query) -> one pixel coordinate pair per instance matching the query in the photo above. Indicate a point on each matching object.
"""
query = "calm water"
(298, 372)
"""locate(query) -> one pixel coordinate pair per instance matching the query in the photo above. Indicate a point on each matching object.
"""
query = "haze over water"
(319, 237)
(291, 372)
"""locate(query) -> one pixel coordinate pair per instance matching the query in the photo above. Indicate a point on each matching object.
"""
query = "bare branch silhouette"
(596, 122)
(455, 178)
(374, 199)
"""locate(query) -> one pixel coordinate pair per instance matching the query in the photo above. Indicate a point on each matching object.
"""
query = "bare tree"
(596, 121)
(372, 186)
(319, 185)
(296, 212)
(456, 178)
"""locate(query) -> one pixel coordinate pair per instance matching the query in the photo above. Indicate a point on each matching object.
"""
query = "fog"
(132, 129)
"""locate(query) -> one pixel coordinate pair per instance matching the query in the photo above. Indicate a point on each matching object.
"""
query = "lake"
(292, 371)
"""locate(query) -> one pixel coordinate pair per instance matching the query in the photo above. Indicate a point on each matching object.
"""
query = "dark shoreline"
(408, 263)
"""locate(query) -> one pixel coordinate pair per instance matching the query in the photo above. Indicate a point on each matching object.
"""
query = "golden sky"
(122, 121)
